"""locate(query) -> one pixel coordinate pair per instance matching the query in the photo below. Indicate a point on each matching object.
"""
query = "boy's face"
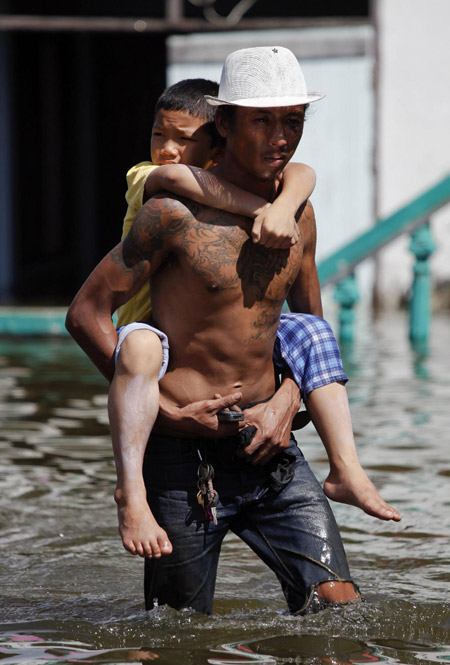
(180, 138)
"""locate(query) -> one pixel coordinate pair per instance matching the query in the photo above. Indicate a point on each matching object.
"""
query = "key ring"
(205, 471)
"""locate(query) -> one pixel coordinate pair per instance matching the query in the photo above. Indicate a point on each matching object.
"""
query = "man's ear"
(221, 124)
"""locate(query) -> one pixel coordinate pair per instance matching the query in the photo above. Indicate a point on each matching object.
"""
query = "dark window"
(82, 107)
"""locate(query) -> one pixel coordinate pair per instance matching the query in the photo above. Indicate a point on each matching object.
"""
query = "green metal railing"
(413, 218)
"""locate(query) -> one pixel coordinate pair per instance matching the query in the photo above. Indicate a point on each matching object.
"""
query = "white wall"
(414, 126)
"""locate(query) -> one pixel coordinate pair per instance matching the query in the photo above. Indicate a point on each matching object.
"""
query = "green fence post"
(346, 295)
(422, 246)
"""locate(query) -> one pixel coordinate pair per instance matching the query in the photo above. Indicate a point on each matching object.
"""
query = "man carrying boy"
(184, 143)
(219, 297)
(184, 138)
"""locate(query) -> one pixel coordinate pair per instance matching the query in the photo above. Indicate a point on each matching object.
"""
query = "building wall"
(413, 130)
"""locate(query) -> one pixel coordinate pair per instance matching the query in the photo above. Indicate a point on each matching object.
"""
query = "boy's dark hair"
(189, 96)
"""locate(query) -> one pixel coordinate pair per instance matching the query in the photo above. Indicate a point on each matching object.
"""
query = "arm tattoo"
(157, 220)
(307, 227)
(134, 271)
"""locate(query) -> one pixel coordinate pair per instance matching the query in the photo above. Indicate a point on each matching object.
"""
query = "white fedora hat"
(263, 77)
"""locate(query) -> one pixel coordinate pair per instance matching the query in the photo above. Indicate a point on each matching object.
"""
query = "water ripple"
(70, 592)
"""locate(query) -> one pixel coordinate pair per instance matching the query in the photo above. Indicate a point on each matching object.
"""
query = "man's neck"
(230, 171)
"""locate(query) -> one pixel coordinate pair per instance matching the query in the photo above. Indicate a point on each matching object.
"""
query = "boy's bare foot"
(140, 532)
(352, 486)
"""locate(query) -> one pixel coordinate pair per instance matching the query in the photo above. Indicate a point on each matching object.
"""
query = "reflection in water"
(70, 593)
(305, 648)
(21, 648)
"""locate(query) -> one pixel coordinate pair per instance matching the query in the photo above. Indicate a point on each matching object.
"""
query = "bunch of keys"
(207, 496)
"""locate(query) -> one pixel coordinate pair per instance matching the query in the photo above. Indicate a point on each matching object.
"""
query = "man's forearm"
(96, 335)
(169, 416)
(289, 394)
(198, 419)
(189, 421)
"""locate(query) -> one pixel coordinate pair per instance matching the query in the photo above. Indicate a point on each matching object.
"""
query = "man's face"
(180, 138)
(262, 141)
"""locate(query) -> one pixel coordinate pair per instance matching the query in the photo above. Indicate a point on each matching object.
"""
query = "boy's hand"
(275, 228)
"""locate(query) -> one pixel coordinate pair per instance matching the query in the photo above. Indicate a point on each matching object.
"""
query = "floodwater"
(70, 593)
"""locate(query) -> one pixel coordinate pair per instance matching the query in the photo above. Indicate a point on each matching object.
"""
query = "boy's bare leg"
(133, 404)
(347, 481)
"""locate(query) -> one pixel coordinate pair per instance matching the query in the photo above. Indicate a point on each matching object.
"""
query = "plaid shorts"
(307, 346)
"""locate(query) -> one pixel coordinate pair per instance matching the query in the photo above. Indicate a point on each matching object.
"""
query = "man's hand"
(273, 421)
(199, 418)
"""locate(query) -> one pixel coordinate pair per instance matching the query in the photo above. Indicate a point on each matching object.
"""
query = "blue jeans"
(293, 531)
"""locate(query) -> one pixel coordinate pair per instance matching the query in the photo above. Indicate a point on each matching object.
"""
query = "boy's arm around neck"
(204, 187)
(114, 281)
(299, 181)
(276, 227)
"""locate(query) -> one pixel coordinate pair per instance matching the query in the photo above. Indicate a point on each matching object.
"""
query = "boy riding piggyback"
(184, 144)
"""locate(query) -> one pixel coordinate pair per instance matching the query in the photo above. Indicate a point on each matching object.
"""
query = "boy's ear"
(218, 154)
(215, 157)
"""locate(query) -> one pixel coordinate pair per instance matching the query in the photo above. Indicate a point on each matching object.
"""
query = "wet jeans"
(293, 531)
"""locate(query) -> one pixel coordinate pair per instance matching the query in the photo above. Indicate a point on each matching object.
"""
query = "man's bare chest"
(222, 256)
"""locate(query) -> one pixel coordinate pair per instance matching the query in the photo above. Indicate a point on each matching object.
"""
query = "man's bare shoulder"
(169, 209)
(163, 215)
(306, 213)
(307, 222)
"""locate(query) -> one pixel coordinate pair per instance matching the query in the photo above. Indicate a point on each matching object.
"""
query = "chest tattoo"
(226, 258)
(262, 271)
(212, 252)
